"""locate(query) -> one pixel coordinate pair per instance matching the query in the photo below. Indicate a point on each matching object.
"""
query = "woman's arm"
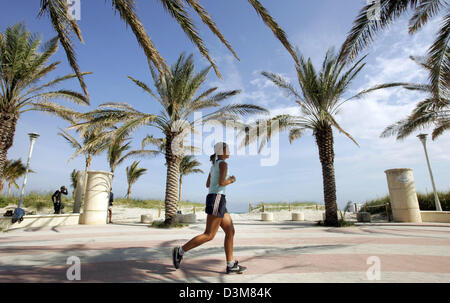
(223, 166)
(208, 182)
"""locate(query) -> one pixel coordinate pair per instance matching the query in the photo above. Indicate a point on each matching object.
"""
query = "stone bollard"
(267, 216)
(147, 219)
(363, 217)
(179, 218)
(402, 192)
(298, 216)
(189, 218)
(96, 202)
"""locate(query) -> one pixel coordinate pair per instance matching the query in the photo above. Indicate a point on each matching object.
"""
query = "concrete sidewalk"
(276, 252)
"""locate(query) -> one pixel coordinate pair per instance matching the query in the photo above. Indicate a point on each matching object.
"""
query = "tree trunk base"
(169, 222)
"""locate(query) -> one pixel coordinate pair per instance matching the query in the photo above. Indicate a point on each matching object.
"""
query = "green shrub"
(40, 206)
(426, 202)
(345, 223)
(137, 203)
(3, 202)
(161, 224)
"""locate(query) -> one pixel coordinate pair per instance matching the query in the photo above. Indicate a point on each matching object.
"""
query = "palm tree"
(428, 112)
(119, 146)
(188, 166)
(365, 28)
(73, 179)
(320, 100)
(115, 152)
(22, 67)
(65, 26)
(176, 93)
(13, 170)
(133, 174)
(87, 149)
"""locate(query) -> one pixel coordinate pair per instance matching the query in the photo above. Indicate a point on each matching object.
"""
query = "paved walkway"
(273, 252)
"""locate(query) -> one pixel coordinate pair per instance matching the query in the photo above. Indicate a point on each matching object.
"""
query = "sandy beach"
(129, 215)
(133, 215)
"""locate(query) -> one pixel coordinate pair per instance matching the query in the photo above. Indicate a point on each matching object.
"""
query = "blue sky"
(112, 53)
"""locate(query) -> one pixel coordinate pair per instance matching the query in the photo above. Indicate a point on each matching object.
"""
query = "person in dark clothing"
(56, 199)
(111, 200)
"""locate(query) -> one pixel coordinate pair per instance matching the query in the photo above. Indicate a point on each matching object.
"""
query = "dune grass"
(161, 224)
(426, 202)
(279, 206)
(152, 203)
(37, 201)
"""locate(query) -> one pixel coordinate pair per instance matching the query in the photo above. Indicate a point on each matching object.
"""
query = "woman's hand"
(232, 179)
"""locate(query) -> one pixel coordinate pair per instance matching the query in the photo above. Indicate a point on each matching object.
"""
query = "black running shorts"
(216, 205)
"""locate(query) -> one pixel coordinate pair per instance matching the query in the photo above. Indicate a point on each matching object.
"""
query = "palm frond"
(426, 10)
(206, 18)
(295, 134)
(366, 25)
(64, 26)
(273, 25)
(145, 88)
(439, 60)
(340, 129)
(57, 110)
(378, 87)
(178, 12)
(126, 9)
(279, 81)
(63, 94)
(441, 127)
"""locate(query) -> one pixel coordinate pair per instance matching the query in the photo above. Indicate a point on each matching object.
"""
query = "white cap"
(221, 148)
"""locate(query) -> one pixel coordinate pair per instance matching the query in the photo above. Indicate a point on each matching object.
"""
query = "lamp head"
(33, 136)
(422, 137)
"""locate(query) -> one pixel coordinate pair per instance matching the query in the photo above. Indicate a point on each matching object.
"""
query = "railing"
(262, 207)
(387, 209)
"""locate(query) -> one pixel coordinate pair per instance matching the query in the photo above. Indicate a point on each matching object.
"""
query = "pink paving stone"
(139, 270)
(15, 250)
(212, 267)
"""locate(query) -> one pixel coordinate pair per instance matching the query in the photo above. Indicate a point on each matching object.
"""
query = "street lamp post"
(19, 212)
(423, 139)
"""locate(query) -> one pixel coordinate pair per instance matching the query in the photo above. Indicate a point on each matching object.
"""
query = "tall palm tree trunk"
(8, 124)
(129, 191)
(2, 184)
(9, 189)
(173, 171)
(324, 139)
(181, 182)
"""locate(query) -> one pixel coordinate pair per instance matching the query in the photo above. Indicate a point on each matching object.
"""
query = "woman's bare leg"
(228, 228)
(212, 225)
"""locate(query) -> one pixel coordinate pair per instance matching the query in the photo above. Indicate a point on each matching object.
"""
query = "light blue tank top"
(214, 187)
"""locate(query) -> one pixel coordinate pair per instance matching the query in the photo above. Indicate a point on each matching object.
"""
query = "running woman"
(217, 213)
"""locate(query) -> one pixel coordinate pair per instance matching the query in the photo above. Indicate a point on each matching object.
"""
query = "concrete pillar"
(267, 216)
(95, 208)
(402, 192)
(190, 218)
(300, 216)
(78, 192)
(147, 218)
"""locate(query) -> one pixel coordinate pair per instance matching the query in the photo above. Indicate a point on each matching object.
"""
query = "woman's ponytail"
(213, 159)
